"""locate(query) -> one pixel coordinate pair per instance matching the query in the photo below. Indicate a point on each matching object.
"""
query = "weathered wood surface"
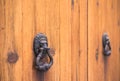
(74, 29)
(65, 24)
(103, 17)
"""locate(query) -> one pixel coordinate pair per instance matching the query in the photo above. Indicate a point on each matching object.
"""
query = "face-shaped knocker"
(106, 44)
(41, 50)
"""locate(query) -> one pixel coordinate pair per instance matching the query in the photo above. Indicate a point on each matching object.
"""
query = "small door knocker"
(106, 45)
(41, 50)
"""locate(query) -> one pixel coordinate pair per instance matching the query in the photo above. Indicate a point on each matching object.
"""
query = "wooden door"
(74, 30)
(103, 16)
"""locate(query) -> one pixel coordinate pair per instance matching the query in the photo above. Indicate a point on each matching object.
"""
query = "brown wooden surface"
(74, 29)
(103, 17)
(65, 24)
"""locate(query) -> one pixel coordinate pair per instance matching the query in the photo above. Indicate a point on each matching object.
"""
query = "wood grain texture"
(79, 40)
(74, 29)
(103, 17)
(118, 15)
(65, 40)
(65, 24)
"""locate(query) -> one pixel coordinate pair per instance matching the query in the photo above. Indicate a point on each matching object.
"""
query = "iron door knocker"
(106, 45)
(41, 50)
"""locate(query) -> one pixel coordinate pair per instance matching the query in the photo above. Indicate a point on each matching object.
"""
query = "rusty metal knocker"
(41, 50)
(106, 44)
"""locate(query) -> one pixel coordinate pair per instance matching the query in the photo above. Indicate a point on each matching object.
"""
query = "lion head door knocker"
(41, 50)
(106, 44)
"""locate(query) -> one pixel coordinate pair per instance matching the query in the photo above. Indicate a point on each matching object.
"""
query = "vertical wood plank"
(118, 15)
(52, 31)
(75, 39)
(65, 40)
(79, 40)
(2, 36)
(83, 60)
(102, 17)
(39, 27)
(11, 41)
(18, 38)
(28, 33)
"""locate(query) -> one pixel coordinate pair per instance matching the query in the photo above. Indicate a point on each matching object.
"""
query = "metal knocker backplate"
(41, 51)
